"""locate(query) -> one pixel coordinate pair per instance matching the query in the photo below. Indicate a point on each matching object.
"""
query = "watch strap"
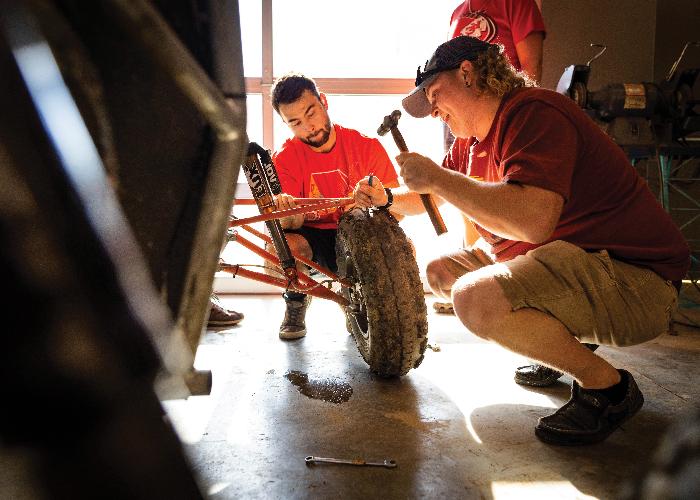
(390, 198)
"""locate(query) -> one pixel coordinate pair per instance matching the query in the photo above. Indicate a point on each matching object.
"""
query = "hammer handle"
(428, 202)
(433, 213)
(398, 139)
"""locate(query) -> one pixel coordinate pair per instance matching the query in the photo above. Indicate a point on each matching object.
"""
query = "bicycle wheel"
(387, 315)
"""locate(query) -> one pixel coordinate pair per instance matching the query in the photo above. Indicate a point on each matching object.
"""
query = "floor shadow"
(507, 435)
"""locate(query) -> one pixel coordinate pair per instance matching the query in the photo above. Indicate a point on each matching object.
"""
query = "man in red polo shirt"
(584, 252)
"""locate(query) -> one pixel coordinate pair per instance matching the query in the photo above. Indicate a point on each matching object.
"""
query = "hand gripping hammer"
(391, 124)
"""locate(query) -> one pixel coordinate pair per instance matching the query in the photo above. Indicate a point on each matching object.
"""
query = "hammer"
(391, 124)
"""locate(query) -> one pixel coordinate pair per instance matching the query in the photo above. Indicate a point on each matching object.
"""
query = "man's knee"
(479, 304)
(298, 245)
(469, 304)
(440, 280)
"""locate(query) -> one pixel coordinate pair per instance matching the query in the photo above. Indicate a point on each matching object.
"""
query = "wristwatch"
(390, 198)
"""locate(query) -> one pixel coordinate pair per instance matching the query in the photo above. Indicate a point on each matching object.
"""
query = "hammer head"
(390, 121)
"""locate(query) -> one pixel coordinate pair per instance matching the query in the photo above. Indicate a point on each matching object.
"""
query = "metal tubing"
(143, 21)
(303, 260)
(292, 211)
(274, 259)
(317, 291)
(301, 278)
(299, 201)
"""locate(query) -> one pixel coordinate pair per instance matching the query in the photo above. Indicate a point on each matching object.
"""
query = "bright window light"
(359, 39)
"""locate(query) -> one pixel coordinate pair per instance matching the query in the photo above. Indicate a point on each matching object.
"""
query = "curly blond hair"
(495, 75)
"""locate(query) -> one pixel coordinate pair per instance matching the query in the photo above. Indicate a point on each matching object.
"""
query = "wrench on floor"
(310, 460)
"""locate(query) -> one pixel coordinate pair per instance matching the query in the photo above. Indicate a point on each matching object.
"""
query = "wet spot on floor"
(331, 390)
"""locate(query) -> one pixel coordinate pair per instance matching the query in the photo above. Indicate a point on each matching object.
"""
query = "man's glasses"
(421, 76)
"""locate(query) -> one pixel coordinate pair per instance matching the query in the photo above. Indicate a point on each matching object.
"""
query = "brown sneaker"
(293, 326)
(220, 317)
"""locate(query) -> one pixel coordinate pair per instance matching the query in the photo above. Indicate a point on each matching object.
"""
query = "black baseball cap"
(447, 56)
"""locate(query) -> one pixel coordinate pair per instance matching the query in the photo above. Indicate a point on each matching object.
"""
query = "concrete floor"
(457, 426)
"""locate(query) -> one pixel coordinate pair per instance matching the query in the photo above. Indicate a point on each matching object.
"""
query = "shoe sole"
(536, 383)
(218, 324)
(550, 438)
(292, 336)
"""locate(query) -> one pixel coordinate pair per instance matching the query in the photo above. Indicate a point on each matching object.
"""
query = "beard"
(320, 138)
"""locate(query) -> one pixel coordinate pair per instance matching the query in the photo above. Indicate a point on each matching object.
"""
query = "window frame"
(344, 86)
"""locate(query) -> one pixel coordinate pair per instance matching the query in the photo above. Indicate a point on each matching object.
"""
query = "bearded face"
(307, 117)
(319, 137)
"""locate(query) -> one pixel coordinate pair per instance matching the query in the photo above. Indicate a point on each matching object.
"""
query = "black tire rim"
(357, 301)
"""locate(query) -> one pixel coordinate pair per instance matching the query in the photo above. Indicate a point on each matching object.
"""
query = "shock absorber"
(264, 183)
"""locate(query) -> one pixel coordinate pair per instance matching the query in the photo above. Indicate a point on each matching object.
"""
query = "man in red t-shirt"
(322, 160)
(584, 252)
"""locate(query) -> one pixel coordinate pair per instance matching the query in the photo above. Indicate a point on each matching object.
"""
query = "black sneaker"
(589, 416)
(293, 326)
(536, 375)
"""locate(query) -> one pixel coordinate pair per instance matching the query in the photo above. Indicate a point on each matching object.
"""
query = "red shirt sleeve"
(542, 156)
(456, 14)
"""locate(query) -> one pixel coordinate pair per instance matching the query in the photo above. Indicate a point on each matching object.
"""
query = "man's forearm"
(408, 202)
(511, 211)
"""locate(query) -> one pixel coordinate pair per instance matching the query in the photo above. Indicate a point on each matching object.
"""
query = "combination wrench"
(311, 460)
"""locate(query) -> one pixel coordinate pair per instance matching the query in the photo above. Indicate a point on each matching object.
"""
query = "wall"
(644, 38)
(627, 27)
(678, 22)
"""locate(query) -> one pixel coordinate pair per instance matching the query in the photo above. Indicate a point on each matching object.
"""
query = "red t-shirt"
(607, 205)
(506, 22)
(305, 173)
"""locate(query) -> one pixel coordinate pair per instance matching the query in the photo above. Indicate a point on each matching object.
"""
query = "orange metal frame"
(296, 280)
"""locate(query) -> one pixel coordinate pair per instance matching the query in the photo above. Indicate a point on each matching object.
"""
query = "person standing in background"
(220, 316)
(515, 24)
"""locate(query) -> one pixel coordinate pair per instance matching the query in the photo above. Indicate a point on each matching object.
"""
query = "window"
(363, 55)
(370, 48)
(358, 39)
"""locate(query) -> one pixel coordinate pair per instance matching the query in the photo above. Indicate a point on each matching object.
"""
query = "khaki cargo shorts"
(599, 299)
